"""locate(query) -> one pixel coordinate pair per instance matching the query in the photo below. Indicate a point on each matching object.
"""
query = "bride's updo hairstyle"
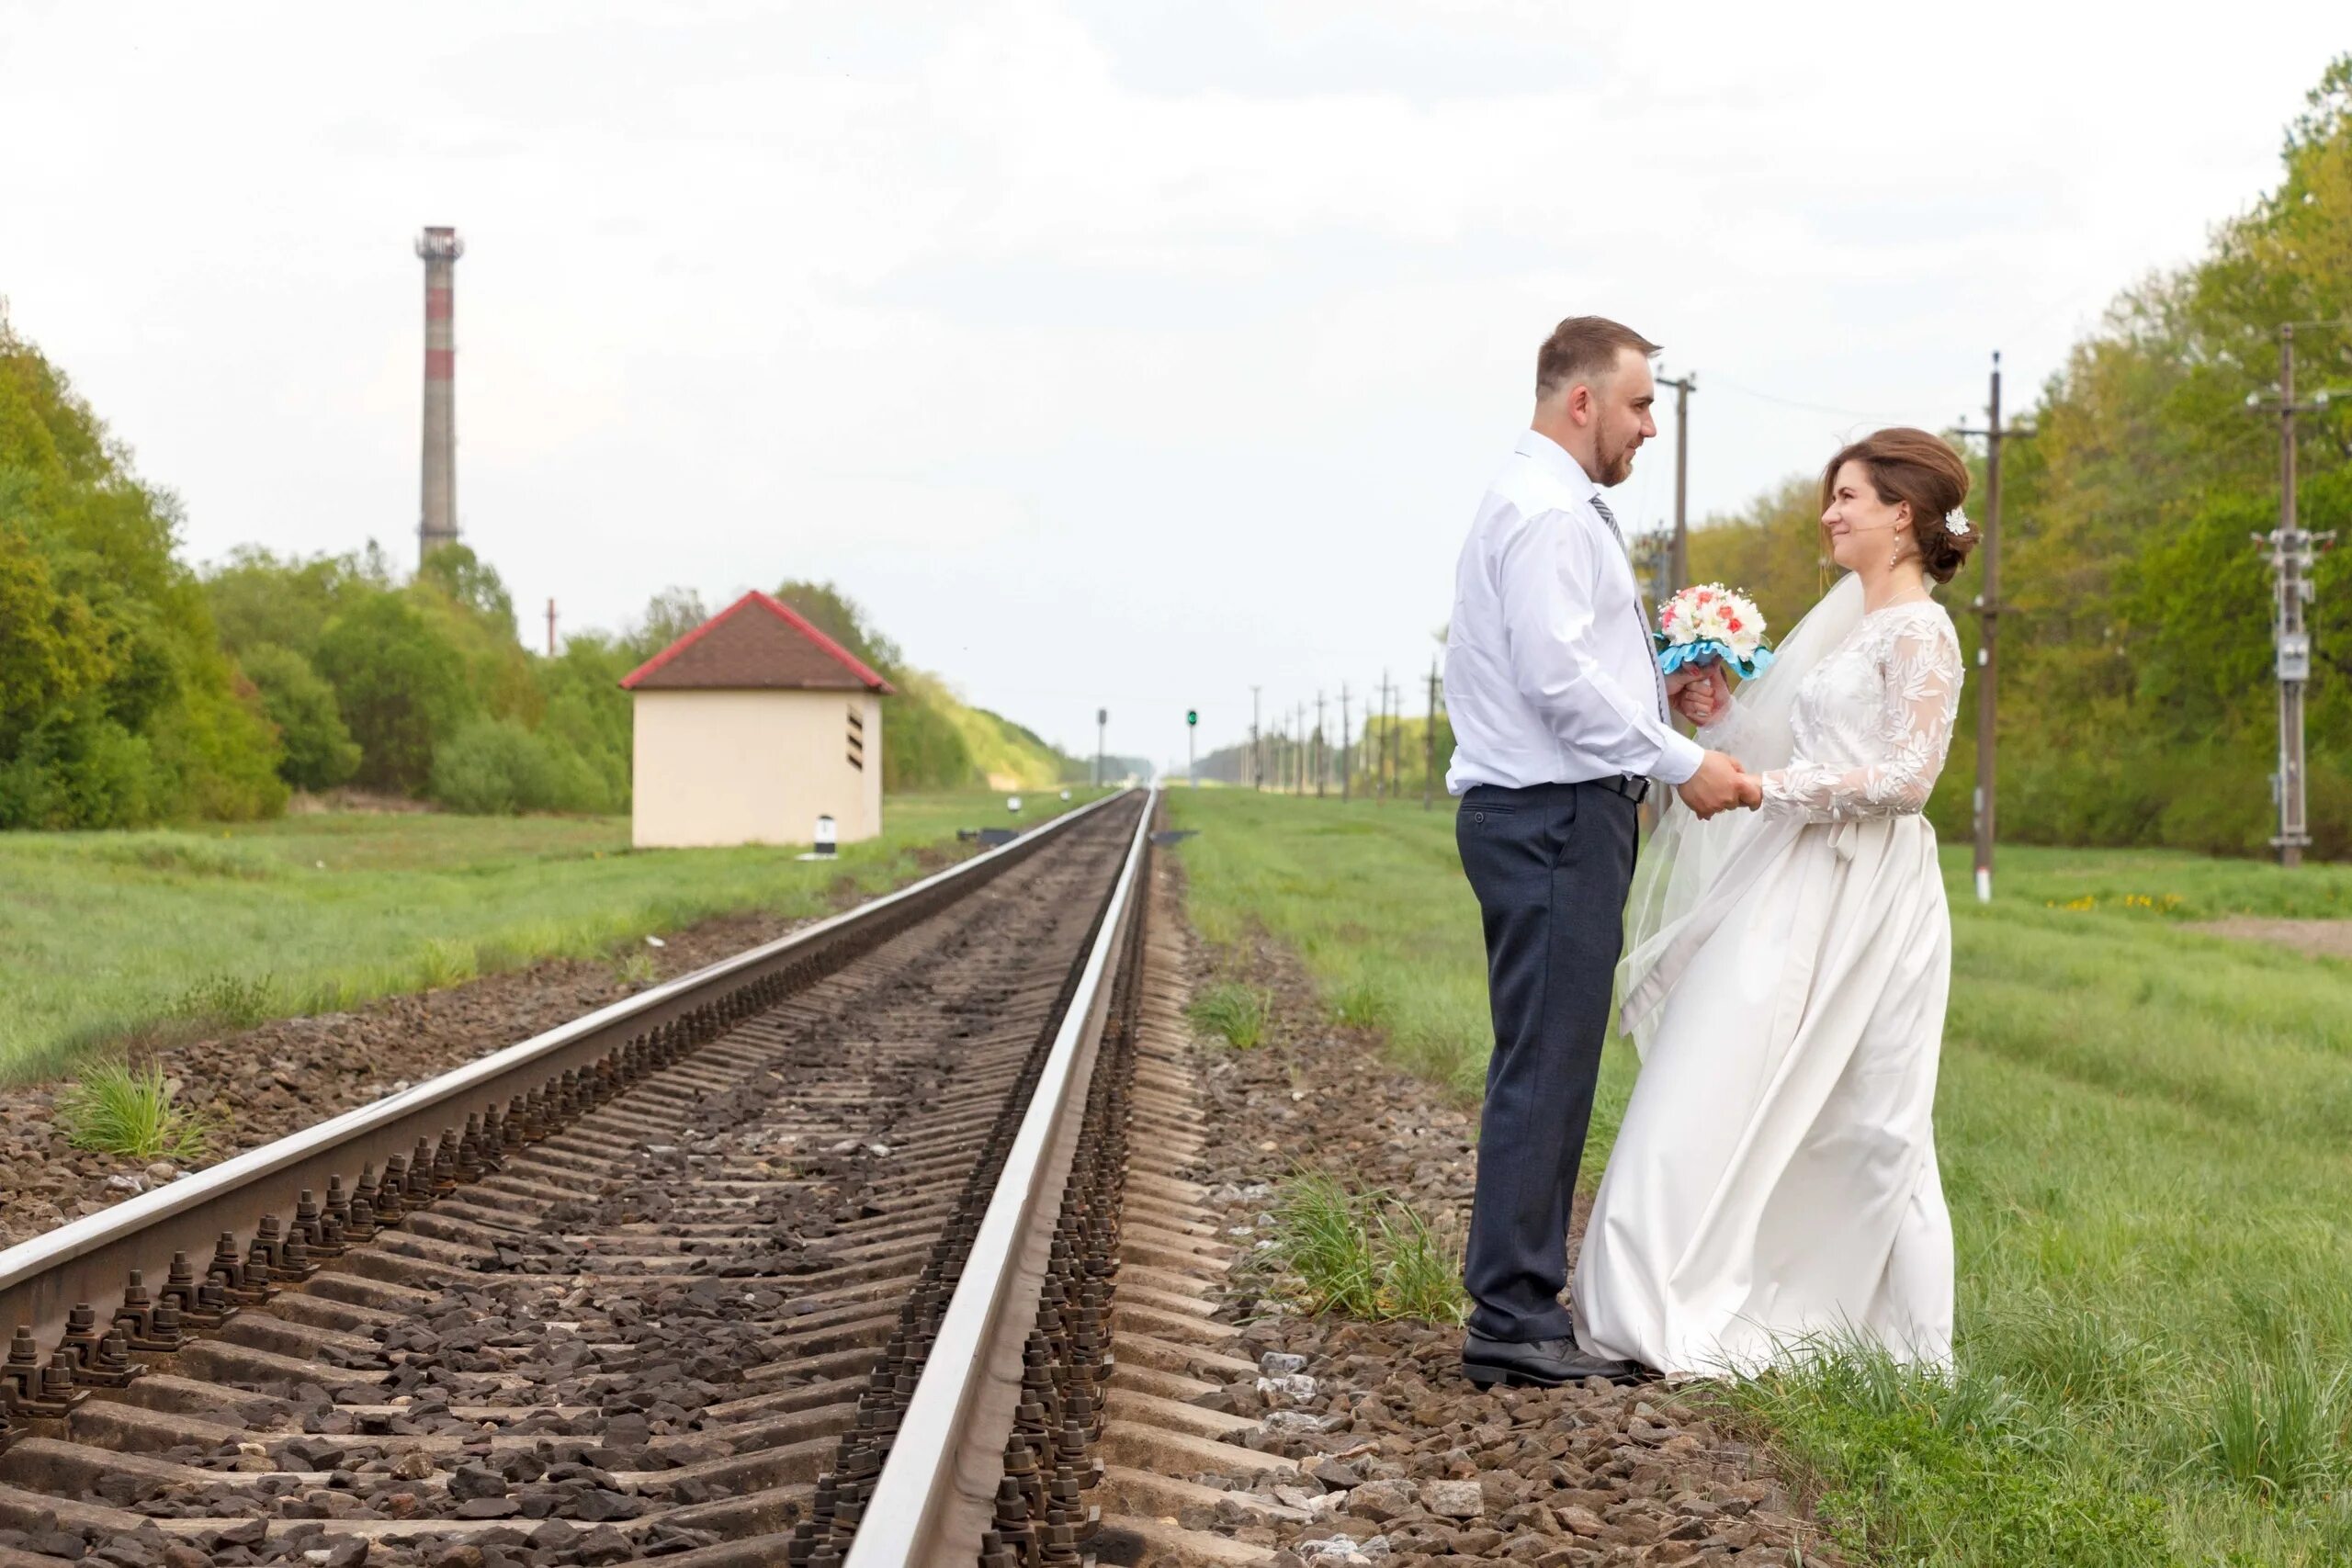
(1911, 464)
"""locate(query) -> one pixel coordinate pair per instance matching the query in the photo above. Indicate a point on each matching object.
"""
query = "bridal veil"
(1693, 870)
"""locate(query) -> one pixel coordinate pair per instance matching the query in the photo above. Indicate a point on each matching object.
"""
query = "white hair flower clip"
(1956, 523)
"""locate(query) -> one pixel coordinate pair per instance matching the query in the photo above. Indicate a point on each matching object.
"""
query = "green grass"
(107, 937)
(121, 1109)
(2146, 1140)
(1365, 1254)
(1234, 1013)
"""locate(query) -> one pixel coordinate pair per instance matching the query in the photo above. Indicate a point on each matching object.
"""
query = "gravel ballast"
(1405, 1462)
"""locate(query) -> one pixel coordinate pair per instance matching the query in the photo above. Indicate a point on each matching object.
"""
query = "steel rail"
(932, 1500)
(87, 1261)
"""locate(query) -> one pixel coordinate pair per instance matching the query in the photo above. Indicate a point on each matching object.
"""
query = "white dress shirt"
(1550, 675)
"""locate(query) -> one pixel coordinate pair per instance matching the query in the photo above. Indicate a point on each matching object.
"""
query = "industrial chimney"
(438, 523)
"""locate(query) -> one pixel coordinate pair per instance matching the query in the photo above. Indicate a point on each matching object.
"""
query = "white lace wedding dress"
(1774, 1184)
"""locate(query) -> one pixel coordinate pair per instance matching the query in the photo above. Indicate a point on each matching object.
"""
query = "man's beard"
(1616, 467)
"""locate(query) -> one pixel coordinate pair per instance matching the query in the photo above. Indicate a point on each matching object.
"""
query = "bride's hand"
(1699, 695)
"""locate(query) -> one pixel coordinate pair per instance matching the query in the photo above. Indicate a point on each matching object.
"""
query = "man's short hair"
(1584, 348)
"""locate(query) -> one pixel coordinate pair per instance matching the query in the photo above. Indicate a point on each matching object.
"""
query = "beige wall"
(752, 767)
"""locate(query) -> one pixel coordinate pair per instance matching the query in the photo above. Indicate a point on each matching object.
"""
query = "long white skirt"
(1774, 1184)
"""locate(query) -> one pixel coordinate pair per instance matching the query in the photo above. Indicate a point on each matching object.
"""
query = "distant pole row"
(1298, 755)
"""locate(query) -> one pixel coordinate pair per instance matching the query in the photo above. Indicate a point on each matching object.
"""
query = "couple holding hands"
(1781, 961)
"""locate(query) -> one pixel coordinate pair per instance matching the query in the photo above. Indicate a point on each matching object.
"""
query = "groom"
(1560, 724)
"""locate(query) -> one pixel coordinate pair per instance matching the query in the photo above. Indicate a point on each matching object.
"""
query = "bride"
(1774, 1184)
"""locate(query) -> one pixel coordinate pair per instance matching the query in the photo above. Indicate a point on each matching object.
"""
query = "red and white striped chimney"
(438, 524)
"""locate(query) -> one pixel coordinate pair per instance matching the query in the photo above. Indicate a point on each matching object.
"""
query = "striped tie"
(1641, 614)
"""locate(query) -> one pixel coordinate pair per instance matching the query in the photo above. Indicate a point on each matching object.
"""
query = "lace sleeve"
(1921, 668)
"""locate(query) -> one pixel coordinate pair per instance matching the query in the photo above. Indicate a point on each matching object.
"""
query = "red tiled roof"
(778, 650)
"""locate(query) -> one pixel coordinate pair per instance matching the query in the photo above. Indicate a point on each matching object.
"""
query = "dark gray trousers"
(1551, 866)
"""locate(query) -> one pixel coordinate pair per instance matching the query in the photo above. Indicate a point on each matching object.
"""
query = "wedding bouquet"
(1706, 623)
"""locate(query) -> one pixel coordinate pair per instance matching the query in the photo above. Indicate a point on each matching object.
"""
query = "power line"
(1718, 381)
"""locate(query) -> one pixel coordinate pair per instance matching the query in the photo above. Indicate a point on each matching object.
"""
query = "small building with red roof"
(752, 726)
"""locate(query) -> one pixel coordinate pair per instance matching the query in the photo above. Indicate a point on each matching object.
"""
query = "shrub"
(1365, 1255)
(233, 1000)
(1363, 1004)
(120, 1109)
(320, 753)
(443, 964)
(1949, 1469)
(1231, 1009)
(495, 767)
(2281, 1428)
(77, 769)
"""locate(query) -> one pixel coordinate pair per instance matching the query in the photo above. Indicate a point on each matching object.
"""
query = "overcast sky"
(1126, 354)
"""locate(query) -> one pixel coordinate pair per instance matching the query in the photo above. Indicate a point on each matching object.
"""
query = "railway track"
(808, 1258)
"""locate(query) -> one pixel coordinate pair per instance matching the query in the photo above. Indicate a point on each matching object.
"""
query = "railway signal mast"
(2291, 551)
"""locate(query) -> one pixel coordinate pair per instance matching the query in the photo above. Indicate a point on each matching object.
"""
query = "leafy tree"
(469, 606)
(258, 597)
(400, 686)
(471, 584)
(51, 652)
(320, 753)
(844, 619)
(587, 714)
(669, 615)
(2137, 699)
(117, 706)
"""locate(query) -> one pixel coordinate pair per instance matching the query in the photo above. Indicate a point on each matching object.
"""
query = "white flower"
(1708, 611)
(1956, 523)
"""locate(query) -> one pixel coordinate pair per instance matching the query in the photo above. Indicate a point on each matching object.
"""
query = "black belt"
(1633, 789)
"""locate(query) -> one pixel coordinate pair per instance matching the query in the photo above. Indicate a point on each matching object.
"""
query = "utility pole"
(550, 629)
(1256, 746)
(2291, 551)
(1429, 779)
(1298, 728)
(1322, 748)
(1680, 566)
(1395, 732)
(1988, 613)
(1101, 718)
(1347, 778)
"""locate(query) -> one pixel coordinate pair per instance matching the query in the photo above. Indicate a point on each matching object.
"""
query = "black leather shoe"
(1545, 1363)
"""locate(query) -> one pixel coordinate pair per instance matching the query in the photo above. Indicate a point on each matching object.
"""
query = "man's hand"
(1720, 785)
(1700, 693)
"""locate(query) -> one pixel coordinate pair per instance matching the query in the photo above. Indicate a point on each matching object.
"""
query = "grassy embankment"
(2146, 1141)
(105, 936)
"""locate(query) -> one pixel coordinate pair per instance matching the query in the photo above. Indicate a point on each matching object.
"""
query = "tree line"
(136, 689)
(2137, 699)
